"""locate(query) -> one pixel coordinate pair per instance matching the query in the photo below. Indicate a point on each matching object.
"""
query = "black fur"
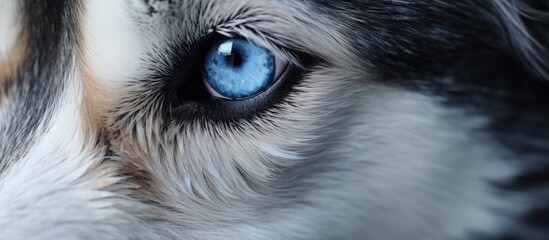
(489, 57)
(474, 56)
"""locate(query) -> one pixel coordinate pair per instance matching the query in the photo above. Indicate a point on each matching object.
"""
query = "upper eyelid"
(247, 31)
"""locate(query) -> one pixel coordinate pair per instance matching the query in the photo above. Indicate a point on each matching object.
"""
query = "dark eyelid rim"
(174, 80)
(217, 109)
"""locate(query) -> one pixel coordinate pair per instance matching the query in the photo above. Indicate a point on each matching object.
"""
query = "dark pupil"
(234, 59)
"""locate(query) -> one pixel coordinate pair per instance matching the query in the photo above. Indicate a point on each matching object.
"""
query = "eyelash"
(186, 96)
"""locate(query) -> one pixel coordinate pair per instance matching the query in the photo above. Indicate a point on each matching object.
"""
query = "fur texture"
(395, 120)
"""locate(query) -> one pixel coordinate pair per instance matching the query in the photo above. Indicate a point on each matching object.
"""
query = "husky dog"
(274, 119)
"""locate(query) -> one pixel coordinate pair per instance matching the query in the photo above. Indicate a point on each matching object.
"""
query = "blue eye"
(237, 68)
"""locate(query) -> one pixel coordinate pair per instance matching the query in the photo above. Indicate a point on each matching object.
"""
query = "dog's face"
(259, 119)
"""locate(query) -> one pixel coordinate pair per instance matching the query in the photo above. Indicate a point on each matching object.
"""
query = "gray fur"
(349, 153)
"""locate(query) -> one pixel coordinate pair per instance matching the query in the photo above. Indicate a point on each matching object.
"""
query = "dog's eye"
(237, 69)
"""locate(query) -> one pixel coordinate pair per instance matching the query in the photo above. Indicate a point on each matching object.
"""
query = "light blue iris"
(236, 68)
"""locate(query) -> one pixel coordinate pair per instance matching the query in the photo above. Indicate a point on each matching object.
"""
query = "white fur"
(409, 173)
(386, 163)
(404, 169)
(55, 190)
(112, 42)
